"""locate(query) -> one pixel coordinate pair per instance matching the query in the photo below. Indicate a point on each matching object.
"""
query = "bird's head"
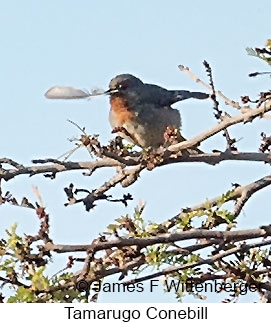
(123, 82)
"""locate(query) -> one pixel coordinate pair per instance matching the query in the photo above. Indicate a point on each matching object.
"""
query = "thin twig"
(228, 101)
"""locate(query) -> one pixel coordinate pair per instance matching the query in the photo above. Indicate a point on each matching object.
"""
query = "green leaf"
(39, 281)
(22, 295)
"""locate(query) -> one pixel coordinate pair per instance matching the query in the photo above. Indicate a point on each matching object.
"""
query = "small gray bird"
(142, 112)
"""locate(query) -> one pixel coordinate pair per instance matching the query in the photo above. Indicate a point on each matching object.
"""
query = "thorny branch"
(217, 112)
(228, 101)
(240, 194)
(201, 261)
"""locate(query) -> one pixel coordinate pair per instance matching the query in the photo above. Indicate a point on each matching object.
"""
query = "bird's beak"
(111, 91)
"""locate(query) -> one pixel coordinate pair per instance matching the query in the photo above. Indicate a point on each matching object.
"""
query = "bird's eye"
(123, 85)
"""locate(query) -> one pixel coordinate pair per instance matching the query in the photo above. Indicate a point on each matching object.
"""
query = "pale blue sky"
(85, 44)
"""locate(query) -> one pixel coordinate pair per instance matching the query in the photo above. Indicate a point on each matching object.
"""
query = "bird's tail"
(180, 95)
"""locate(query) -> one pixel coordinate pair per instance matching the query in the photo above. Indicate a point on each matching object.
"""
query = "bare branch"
(227, 122)
(217, 157)
(195, 78)
(163, 238)
(125, 176)
(11, 163)
(57, 167)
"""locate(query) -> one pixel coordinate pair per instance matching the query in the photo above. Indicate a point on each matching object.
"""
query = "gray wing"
(161, 97)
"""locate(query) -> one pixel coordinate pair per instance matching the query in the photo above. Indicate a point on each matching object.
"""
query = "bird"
(142, 113)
